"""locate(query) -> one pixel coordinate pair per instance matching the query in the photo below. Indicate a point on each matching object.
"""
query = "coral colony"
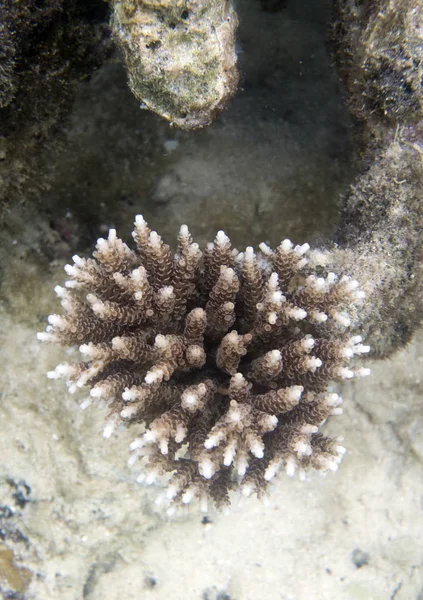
(224, 356)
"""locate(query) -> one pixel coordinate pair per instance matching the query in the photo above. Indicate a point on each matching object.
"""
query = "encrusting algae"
(179, 55)
(225, 356)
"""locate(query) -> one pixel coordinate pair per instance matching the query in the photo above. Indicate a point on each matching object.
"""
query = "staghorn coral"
(224, 356)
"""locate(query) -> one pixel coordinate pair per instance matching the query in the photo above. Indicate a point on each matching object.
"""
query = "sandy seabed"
(73, 522)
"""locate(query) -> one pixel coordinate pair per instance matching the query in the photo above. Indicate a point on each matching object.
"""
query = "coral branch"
(226, 359)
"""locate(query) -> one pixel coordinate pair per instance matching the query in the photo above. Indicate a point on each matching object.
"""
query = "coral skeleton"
(224, 356)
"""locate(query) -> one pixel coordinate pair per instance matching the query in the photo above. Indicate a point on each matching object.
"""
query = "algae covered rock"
(180, 56)
(380, 57)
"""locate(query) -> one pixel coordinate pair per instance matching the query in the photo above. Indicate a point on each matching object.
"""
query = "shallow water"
(73, 522)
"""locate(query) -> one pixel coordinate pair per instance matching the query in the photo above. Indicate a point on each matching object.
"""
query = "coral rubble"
(224, 356)
(180, 56)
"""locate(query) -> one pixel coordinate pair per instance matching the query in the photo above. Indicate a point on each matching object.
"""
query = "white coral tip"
(286, 245)
(62, 370)
(153, 376)
(164, 446)
(108, 430)
(161, 341)
(308, 343)
(71, 270)
(361, 349)
(273, 282)
(302, 448)
(45, 336)
(137, 443)
(319, 284)
(271, 471)
(341, 319)
(363, 372)
(221, 238)
(71, 284)
(57, 321)
(78, 260)
(53, 375)
(150, 478)
(257, 449)
(247, 489)
(272, 318)
(295, 392)
(128, 412)
(60, 291)
(189, 400)
(188, 496)
(242, 464)
(302, 263)
(309, 429)
(166, 292)
(85, 403)
(271, 422)
(154, 239)
(207, 468)
(172, 491)
(183, 231)
(302, 249)
(132, 460)
(333, 399)
(229, 455)
(150, 436)
(265, 249)
(274, 356)
(97, 391)
(140, 221)
(345, 373)
(211, 442)
(290, 467)
(313, 363)
(234, 415)
(129, 395)
(298, 314)
(249, 253)
(180, 434)
(318, 317)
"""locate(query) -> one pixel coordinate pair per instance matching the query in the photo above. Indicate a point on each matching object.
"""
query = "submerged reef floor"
(73, 522)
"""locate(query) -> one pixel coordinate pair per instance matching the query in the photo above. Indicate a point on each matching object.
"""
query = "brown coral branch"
(224, 357)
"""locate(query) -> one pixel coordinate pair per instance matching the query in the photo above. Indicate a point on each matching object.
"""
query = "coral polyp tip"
(221, 355)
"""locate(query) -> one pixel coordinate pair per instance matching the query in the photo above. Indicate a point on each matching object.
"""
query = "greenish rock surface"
(180, 56)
